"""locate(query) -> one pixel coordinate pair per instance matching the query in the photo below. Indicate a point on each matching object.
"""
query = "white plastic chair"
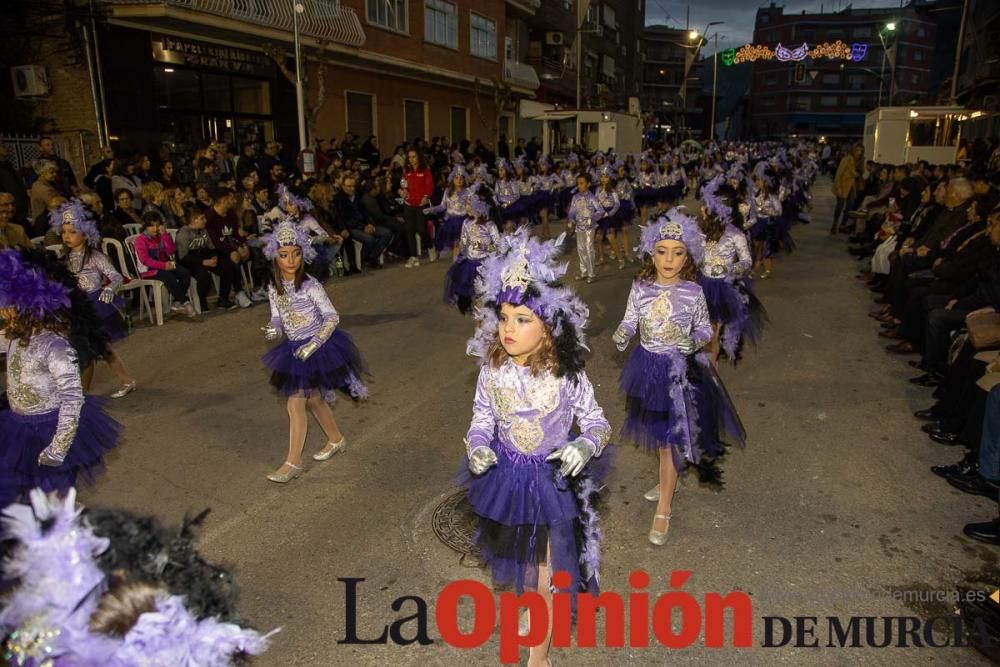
(113, 248)
(357, 253)
(133, 228)
(57, 249)
(159, 288)
(38, 241)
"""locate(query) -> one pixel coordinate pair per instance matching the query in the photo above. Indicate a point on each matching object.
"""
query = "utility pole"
(299, 94)
(715, 74)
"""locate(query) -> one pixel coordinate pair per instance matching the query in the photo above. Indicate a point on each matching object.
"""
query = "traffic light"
(800, 72)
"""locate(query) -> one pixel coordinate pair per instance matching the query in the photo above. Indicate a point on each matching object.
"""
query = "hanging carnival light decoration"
(838, 50)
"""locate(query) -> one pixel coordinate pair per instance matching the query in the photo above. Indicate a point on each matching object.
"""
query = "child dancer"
(721, 274)
(675, 402)
(531, 388)
(548, 186)
(765, 233)
(454, 204)
(626, 212)
(582, 217)
(607, 198)
(646, 196)
(51, 435)
(316, 358)
(92, 268)
(528, 201)
(480, 238)
(507, 194)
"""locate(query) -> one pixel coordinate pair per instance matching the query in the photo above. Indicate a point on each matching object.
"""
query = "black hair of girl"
(567, 347)
(151, 218)
(714, 227)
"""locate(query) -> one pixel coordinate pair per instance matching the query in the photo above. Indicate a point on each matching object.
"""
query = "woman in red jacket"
(416, 188)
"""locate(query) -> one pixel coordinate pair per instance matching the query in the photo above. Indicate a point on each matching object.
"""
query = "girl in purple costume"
(508, 197)
(548, 185)
(316, 358)
(99, 280)
(454, 204)
(646, 196)
(609, 224)
(529, 200)
(480, 238)
(765, 233)
(51, 435)
(722, 273)
(626, 211)
(674, 400)
(531, 479)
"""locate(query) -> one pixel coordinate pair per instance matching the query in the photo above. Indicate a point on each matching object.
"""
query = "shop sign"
(177, 51)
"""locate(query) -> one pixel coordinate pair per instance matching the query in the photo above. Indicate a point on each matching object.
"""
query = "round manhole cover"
(455, 524)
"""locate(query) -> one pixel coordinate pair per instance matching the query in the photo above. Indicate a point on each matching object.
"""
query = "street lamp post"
(715, 75)
(889, 27)
(299, 95)
(692, 36)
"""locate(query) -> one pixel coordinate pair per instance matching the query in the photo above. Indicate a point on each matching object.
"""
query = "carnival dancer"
(508, 196)
(529, 200)
(454, 204)
(609, 224)
(532, 479)
(479, 239)
(571, 167)
(316, 358)
(674, 400)
(646, 194)
(108, 588)
(51, 435)
(765, 233)
(626, 211)
(548, 186)
(582, 217)
(99, 280)
(733, 309)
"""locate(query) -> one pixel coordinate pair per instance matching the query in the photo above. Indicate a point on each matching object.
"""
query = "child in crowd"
(154, 250)
(197, 254)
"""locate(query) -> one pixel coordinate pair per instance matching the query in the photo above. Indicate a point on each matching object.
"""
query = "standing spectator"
(270, 158)
(65, 181)
(844, 185)
(503, 150)
(102, 185)
(227, 237)
(399, 157)
(155, 251)
(12, 183)
(416, 196)
(43, 189)
(374, 238)
(11, 235)
(247, 162)
(520, 149)
(124, 177)
(532, 150)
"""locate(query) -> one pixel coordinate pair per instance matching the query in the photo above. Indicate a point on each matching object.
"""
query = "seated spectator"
(168, 175)
(11, 235)
(154, 250)
(196, 252)
(43, 189)
(373, 238)
(124, 212)
(124, 177)
(107, 224)
(203, 197)
(372, 203)
(102, 183)
(154, 199)
(52, 237)
(227, 236)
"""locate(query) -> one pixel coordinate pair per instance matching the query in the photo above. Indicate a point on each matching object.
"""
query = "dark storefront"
(185, 92)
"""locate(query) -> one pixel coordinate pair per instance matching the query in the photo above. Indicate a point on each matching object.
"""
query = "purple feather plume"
(677, 226)
(74, 213)
(27, 289)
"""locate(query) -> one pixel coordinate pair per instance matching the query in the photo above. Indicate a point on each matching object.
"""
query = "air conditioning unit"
(29, 81)
(554, 38)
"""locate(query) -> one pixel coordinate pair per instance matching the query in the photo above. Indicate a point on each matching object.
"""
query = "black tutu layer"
(729, 306)
(626, 212)
(459, 283)
(519, 209)
(609, 223)
(337, 364)
(546, 200)
(525, 505)
(645, 197)
(110, 316)
(23, 437)
(448, 232)
(679, 402)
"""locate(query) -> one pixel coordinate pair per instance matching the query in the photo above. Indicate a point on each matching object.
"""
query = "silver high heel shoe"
(285, 477)
(653, 494)
(125, 390)
(335, 447)
(657, 537)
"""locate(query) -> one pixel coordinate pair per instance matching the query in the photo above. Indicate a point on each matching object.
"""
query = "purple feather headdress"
(74, 213)
(525, 272)
(544, 161)
(572, 158)
(714, 203)
(456, 171)
(47, 616)
(606, 170)
(518, 163)
(478, 206)
(286, 197)
(675, 226)
(27, 289)
(288, 233)
(503, 163)
(760, 171)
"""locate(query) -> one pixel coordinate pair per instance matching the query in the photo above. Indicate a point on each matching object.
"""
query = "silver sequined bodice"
(666, 316)
(90, 274)
(303, 314)
(729, 257)
(479, 239)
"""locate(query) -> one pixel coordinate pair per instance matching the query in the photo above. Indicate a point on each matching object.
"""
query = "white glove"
(306, 350)
(687, 346)
(481, 459)
(426, 211)
(270, 332)
(49, 458)
(107, 295)
(620, 338)
(574, 456)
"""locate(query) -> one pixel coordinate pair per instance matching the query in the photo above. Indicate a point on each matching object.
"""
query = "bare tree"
(313, 99)
(503, 101)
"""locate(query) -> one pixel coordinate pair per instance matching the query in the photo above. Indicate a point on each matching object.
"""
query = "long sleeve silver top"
(506, 192)
(624, 190)
(768, 206)
(91, 272)
(666, 316)
(584, 211)
(479, 239)
(306, 314)
(729, 257)
(42, 377)
(452, 203)
(608, 201)
(532, 415)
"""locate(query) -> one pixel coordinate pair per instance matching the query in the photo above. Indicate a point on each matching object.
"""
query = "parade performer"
(507, 195)
(51, 435)
(294, 207)
(454, 204)
(316, 358)
(646, 194)
(609, 224)
(675, 402)
(163, 606)
(570, 168)
(99, 280)
(526, 186)
(532, 480)
(548, 185)
(722, 273)
(480, 238)
(766, 232)
(626, 211)
(582, 217)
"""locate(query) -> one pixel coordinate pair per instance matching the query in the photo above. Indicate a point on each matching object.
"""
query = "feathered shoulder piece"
(28, 289)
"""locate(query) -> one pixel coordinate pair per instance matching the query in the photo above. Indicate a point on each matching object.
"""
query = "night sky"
(738, 16)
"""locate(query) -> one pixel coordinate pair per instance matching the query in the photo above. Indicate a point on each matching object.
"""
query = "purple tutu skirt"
(546, 200)
(337, 364)
(626, 212)
(609, 222)
(729, 305)
(680, 403)
(448, 232)
(515, 211)
(645, 197)
(110, 316)
(23, 437)
(524, 505)
(459, 283)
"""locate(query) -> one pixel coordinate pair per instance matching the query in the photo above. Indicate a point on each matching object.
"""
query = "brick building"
(666, 53)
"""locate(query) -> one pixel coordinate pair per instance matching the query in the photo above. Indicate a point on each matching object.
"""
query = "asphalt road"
(829, 510)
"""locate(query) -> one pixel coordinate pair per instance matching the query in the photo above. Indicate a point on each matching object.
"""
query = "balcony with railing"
(320, 19)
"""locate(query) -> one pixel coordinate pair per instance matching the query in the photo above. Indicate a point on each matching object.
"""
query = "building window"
(918, 55)
(483, 37)
(828, 101)
(921, 32)
(915, 79)
(853, 100)
(441, 23)
(459, 124)
(862, 31)
(803, 103)
(832, 79)
(360, 114)
(414, 119)
(770, 81)
(389, 14)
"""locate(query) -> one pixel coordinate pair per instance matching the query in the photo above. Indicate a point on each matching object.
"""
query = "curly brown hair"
(647, 274)
(544, 360)
(22, 326)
